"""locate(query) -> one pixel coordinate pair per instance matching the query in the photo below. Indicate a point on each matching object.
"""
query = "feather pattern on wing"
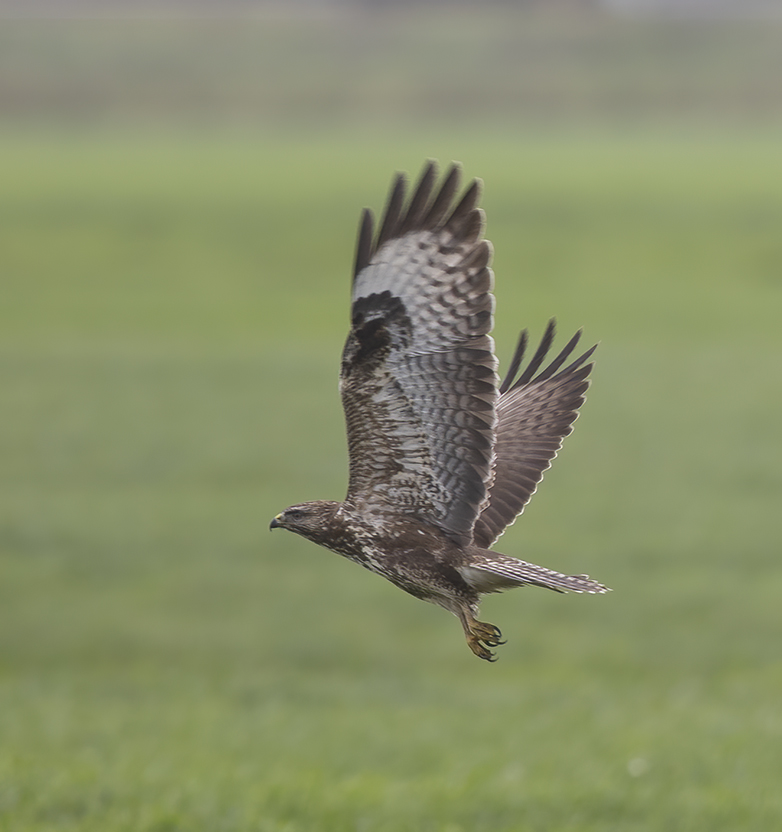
(534, 415)
(418, 378)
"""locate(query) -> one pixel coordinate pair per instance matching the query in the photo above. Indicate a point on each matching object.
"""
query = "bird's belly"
(417, 570)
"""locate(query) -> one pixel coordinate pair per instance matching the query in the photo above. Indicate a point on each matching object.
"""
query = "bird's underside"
(442, 456)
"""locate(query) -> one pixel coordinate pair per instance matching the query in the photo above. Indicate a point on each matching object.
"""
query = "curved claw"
(481, 636)
(490, 635)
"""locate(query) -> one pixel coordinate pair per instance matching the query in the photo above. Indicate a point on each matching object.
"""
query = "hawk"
(443, 457)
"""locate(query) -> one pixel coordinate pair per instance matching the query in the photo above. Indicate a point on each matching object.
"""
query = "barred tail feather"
(493, 573)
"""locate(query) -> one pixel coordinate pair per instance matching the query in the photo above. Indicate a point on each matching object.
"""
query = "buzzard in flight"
(442, 456)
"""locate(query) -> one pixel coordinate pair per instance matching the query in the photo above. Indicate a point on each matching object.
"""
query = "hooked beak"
(275, 523)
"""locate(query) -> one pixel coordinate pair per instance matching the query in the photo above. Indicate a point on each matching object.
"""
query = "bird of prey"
(442, 456)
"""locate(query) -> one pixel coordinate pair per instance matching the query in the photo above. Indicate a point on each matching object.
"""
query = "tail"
(491, 572)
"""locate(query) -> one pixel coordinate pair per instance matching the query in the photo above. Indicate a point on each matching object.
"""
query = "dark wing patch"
(418, 377)
(534, 415)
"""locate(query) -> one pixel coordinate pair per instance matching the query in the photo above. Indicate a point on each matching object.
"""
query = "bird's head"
(310, 520)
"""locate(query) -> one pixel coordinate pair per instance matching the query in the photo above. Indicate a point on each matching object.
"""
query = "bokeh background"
(181, 184)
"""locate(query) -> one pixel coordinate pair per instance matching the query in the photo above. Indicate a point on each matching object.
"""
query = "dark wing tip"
(419, 202)
(528, 376)
(515, 363)
(540, 354)
(366, 230)
(444, 199)
(429, 207)
(393, 212)
(467, 204)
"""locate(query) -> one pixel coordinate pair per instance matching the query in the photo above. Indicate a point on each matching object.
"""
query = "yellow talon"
(481, 636)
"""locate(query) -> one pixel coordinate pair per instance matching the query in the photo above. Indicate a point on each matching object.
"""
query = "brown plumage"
(442, 457)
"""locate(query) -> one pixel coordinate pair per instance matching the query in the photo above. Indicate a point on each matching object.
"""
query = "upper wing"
(535, 413)
(418, 378)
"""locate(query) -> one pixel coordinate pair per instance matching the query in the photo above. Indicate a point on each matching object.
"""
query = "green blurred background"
(180, 187)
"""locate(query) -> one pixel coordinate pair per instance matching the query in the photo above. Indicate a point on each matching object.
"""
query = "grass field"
(173, 310)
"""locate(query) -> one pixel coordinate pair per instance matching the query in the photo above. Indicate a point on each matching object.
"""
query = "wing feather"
(418, 378)
(535, 413)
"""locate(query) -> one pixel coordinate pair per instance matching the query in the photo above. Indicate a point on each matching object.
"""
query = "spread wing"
(418, 378)
(535, 413)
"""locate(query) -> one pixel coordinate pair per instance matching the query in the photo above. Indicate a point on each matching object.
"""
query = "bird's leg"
(480, 635)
